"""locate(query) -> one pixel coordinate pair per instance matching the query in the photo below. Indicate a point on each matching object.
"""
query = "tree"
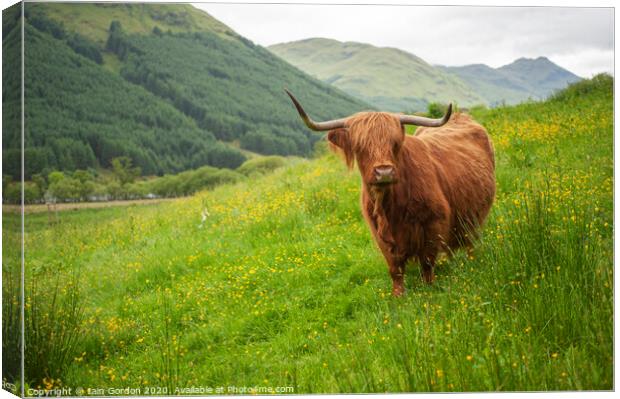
(436, 110)
(82, 175)
(31, 193)
(39, 180)
(65, 189)
(114, 189)
(124, 171)
(13, 193)
(85, 189)
(6, 180)
(55, 177)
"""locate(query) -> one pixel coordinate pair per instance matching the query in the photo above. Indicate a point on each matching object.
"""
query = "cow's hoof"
(428, 276)
(398, 291)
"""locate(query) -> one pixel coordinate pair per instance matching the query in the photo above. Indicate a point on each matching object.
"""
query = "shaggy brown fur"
(443, 190)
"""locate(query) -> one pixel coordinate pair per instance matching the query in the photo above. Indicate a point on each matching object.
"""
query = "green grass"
(282, 285)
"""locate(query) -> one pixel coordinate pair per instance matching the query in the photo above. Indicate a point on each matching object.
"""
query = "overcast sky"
(578, 39)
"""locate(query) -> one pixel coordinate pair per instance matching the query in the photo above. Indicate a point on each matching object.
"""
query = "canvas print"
(235, 199)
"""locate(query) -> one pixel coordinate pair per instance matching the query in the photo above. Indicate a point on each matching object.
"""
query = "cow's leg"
(432, 245)
(395, 260)
(428, 267)
(396, 268)
(397, 272)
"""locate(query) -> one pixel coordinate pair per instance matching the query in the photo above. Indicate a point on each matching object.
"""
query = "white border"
(521, 3)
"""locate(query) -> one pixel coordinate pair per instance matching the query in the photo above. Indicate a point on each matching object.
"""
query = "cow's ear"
(337, 137)
(339, 141)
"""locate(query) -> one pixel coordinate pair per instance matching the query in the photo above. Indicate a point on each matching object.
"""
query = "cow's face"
(374, 140)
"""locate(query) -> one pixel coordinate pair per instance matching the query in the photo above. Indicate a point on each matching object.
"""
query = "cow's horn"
(422, 121)
(318, 126)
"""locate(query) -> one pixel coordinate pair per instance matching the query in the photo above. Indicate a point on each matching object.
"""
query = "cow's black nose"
(384, 173)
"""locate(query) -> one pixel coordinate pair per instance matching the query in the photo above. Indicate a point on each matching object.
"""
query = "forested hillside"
(231, 88)
(80, 116)
(11, 88)
(165, 85)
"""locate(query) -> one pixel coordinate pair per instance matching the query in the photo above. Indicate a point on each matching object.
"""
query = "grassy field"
(52, 209)
(282, 285)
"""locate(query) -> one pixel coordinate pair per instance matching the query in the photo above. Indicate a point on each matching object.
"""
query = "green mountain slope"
(224, 82)
(395, 80)
(388, 78)
(542, 75)
(234, 90)
(93, 20)
(158, 83)
(494, 86)
(11, 90)
(521, 80)
(80, 116)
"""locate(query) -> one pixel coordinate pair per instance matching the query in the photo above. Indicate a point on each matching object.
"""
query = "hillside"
(520, 80)
(394, 80)
(93, 20)
(275, 280)
(542, 75)
(493, 85)
(11, 90)
(388, 78)
(81, 116)
(166, 85)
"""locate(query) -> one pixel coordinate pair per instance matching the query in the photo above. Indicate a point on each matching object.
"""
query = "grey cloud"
(580, 38)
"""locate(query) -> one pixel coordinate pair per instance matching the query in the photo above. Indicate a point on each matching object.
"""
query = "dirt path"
(82, 205)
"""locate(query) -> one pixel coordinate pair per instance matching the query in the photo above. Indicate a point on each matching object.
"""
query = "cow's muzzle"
(384, 174)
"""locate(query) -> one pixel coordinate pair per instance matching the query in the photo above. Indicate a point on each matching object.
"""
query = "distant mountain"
(165, 84)
(491, 84)
(521, 80)
(395, 80)
(541, 74)
(388, 78)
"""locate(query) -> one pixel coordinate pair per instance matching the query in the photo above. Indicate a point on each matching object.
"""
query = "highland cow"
(421, 195)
